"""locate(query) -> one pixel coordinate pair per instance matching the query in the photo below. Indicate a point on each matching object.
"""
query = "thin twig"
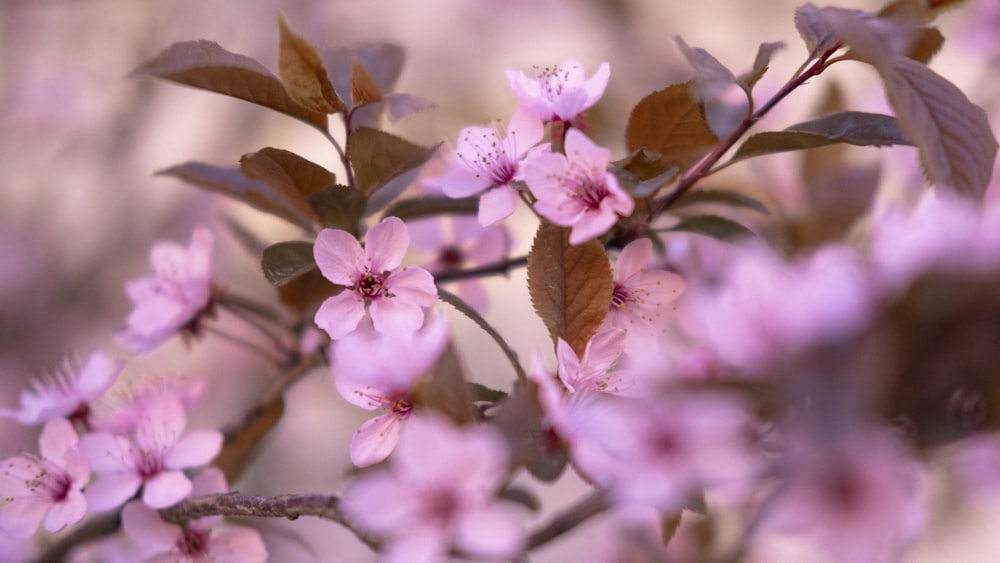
(586, 508)
(501, 267)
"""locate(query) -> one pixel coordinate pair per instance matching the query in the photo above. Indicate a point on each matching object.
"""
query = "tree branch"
(501, 267)
(586, 508)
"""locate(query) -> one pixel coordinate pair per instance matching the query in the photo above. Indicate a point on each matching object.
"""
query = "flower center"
(551, 81)
(148, 464)
(619, 296)
(451, 257)
(401, 407)
(192, 542)
(586, 186)
(372, 286)
(487, 155)
(51, 482)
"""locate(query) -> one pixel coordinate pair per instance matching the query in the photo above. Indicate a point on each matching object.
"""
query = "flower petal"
(492, 532)
(21, 516)
(414, 285)
(166, 489)
(396, 316)
(339, 315)
(194, 449)
(143, 524)
(375, 439)
(386, 244)
(237, 545)
(68, 511)
(380, 503)
(339, 256)
(57, 437)
(111, 490)
(497, 204)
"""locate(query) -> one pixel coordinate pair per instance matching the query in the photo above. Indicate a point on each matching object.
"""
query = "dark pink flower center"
(372, 286)
(551, 81)
(489, 156)
(587, 187)
(441, 505)
(193, 542)
(51, 482)
(402, 407)
(451, 257)
(619, 296)
(148, 464)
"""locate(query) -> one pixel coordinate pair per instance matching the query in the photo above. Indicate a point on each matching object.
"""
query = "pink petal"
(57, 437)
(569, 364)
(414, 285)
(386, 244)
(426, 234)
(97, 375)
(542, 173)
(194, 449)
(580, 148)
(237, 545)
(209, 482)
(162, 423)
(199, 253)
(375, 439)
(21, 516)
(17, 474)
(461, 181)
(492, 532)
(380, 503)
(591, 225)
(421, 544)
(633, 258)
(111, 490)
(339, 315)
(596, 84)
(570, 104)
(496, 204)
(68, 511)
(166, 489)
(474, 294)
(524, 131)
(492, 245)
(143, 525)
(339, 256)
(106, 452)
(395, 316)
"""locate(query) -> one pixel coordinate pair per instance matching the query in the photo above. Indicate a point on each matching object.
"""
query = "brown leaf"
(670, 122)
(241, 445)
(446, 391)
(364, 90)
(205, 65)
(303, 73)
(290, 175)
(306, 292)
(570, 286)
(234, 183)
(377, 157)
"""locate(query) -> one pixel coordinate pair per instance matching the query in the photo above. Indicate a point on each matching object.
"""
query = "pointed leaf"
(671, 123)
(446, 391)
(339, 207)
(278, 166)
(233, 182)
(377, 157)
(433, 205)
(382, 61)
(206, 65)
(851, 127)
(813, 29)
(648, 188)
(531, 444)
(713, 226)
(399, 105)
(480, 392)
(285, 261)
(364, 90)
(303, 73)
(725, 197)
(570, 286)
(643, 164)
(524, 497)
(709, 74)
(305, 292)
(764, 54)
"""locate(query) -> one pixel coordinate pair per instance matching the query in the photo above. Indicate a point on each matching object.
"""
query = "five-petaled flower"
(595, 371)
(67, 392)
(373, 282)
(640, 296)
(559, 93)
(381, 373)
(175, 297)
(438, 490)
(576, 190)
(486, 159)
(154, 458)
(49, 487)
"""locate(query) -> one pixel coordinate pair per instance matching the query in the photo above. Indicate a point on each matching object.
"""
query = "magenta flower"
(559, 93)
(438, 491)
(487, 162)
(153, 457)
(576, 190)
(174, 297)
(382, 372)
(596, 370)
(49, 487)
(202, 540)
(461, 243)
(640, 298)
(373, 282)
(67, 392)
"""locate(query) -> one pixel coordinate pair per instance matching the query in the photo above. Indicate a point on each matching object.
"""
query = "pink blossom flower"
(202, 540)
(461, 243)
(67, 392)
(559, 93)
(640, 297)
(153, 457)
(174, 297)
(373, 282)
(576, 190)
(121, 410)
(438, 491)
(382, 373)
(487, 161)
(49, 487)
(596, 371)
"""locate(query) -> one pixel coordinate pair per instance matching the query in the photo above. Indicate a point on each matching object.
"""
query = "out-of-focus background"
(79, 143)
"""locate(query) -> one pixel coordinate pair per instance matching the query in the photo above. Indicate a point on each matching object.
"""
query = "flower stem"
(501, 267)
(584, 509)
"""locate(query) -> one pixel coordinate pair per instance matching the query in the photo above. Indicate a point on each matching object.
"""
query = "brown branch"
(588, 507)
(501, 267)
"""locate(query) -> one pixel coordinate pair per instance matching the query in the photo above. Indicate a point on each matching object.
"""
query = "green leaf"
(339, 207)
(286, 261)
(377, 157)
(303, 73)
(671, 123)
(851, 127)
(232, 182)
(570, 285)
(725, 197)
(456, 302)
(433, 205)
(713, 226)
(206, 65)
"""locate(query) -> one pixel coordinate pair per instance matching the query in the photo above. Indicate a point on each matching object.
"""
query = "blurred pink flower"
(202, 540)
(67, 392)
(462, 242)
(487, 161)
(49, 487)
(438, 491)
(596, 371)
(382, 372)
(559, 93)
(154, 457)
(174, 297)
(576, 190)
(640, 296)
(373, 282)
